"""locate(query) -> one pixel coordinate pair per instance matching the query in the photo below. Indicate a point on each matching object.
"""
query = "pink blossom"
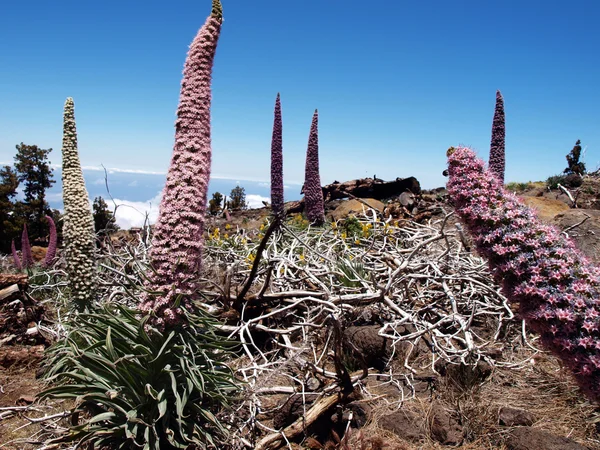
(15, 256)
(52, 242)
(529, 255)
(26, 249)
(176, 254)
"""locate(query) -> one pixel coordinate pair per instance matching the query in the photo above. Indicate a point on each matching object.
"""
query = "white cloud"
(133, 214)
(256, 201)
(118, 170)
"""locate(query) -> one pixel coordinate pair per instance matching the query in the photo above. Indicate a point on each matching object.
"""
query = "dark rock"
(365, 345)
(526, 438)
(464, 376)
(512, 417)
(371, 188)
(444, 427)
(406, 425)
(360, 413)
(357, 412)
(573, 180)
(425, 382)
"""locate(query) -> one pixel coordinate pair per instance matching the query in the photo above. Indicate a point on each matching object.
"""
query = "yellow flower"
(344, 235)
(357, 241)
(226, 236)
(227, 226)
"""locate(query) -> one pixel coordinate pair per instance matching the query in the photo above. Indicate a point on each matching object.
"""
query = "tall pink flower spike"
(176, 253)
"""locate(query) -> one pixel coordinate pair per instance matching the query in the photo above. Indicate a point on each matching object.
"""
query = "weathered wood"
(9, 292)
(275, 440)
(8, 279)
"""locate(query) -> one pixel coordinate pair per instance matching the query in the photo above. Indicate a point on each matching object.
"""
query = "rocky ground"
(515, 397)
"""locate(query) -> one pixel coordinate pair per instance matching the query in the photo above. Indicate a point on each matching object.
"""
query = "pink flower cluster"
(15, 255)
(277, 162)
(52, 242)
(313, 193)
(26, 255)
(557, 288)
(176, 252)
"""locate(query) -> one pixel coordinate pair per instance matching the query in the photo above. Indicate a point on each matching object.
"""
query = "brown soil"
(18, 387)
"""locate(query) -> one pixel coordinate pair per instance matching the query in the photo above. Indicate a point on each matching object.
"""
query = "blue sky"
(396, 83)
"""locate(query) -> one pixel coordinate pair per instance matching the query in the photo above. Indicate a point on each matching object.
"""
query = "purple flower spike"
(277, 162)
(497, 160)
(313, 193)
(51, 252)
(26, 249)
(176, 253)
(15, 256)
(556, 286)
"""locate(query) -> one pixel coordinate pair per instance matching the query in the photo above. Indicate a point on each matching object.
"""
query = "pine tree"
(575, 166)
(104, 218)
(33, 170)
(214, 205)
(237, 198)
(9, 183)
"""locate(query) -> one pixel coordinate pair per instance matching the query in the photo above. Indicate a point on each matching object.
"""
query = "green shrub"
(518, 187)
(553, 181)
(352, 226)
(571, 181)
(138, 387)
